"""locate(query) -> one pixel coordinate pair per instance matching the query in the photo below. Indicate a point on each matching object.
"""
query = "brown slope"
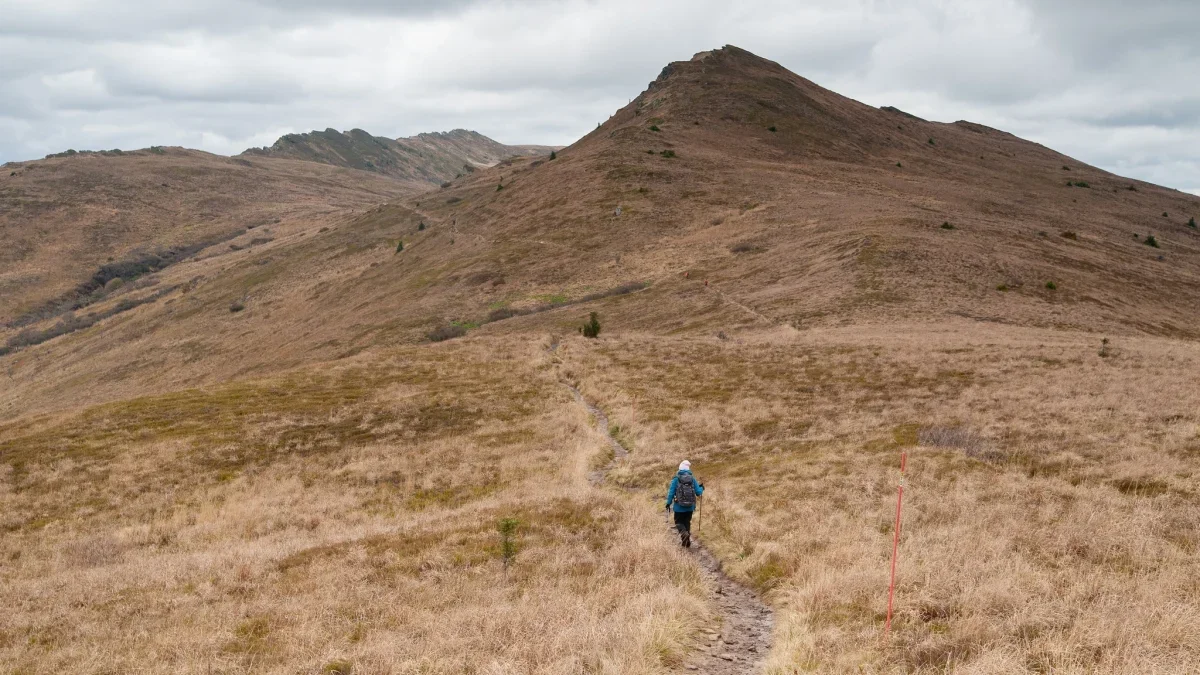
(65, 218)
(430, 157)
(812, 224)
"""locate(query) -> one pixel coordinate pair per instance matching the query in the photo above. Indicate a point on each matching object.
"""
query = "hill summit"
(428, 157)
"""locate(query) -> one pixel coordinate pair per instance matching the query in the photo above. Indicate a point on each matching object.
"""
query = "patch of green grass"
(654, 127)
(1050, 285)
(1151, 241)
(667, 153)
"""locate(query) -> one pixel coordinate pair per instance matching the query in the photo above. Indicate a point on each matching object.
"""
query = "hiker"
(682, 497)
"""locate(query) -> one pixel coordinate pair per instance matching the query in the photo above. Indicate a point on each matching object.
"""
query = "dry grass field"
(268, 464)
(1051, 511)
(335, 520)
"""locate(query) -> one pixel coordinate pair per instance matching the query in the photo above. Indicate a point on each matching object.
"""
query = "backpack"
(685, 491)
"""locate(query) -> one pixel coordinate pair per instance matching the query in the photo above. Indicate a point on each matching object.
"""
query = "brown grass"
(1050, 510)
(343, 517)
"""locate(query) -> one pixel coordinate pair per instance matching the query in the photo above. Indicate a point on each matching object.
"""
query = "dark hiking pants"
(683, 521)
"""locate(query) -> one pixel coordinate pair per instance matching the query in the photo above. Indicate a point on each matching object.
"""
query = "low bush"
(553, 155)
(1069, 235)
(771, 129)
(399, 246)
(654, 127)
(236, 307)
(1151, 241)
(1050, 285)
(1192, 222)
(931, 142)
(421, 227)
(1002, 287)
(591, 329)
(447, 332)
(947, 226)
(667, 153)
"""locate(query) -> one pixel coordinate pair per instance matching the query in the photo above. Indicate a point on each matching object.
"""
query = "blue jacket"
(671, 492)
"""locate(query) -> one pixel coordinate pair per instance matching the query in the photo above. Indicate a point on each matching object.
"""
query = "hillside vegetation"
(299, 456)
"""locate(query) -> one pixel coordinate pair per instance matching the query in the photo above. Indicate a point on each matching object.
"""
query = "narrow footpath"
(741, 643)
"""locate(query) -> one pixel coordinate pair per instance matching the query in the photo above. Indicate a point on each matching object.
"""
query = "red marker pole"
(895, 545)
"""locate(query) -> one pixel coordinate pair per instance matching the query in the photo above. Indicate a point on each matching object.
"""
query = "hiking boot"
(687, 539)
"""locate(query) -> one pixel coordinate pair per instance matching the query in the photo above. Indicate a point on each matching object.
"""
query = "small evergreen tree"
(421, 227)
(591, 329)
(500, 187)
(1192, 222)
(553, 155)
(508, 543)
(1151, 241)
(399, 247)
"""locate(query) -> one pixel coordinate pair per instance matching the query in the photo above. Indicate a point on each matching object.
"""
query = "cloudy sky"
(1111, 83)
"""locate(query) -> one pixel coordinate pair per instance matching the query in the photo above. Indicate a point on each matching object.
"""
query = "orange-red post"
(895, 545)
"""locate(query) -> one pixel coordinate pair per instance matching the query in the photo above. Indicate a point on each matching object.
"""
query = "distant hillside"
(75, 226)
(432, 158)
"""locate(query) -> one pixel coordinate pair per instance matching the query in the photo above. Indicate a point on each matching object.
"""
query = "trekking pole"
(699, 513)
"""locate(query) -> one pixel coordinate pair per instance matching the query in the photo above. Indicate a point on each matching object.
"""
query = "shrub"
(771, 129)
(1066, 168)
(399, 246)
(947, 226)
(508, 543)
(500, 187)
(447, 332)
(1132, 188)
(1165, 214)
(667, 153)
(158, 150)
(1104, 348)
(1079, 183)
(421, 227)
(898, 164)
(931, 142)
(591, 329)
(236, 307)
(1069, 235)
(1050, 285)
(446, 185)
(1151, 241)
(1192, 222)
(500, 314)
(654, 127)
(553, 155)
(1002, 287)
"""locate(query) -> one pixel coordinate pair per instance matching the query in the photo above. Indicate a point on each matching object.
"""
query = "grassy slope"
(92, 209)
(344, 516)
(1050, 498)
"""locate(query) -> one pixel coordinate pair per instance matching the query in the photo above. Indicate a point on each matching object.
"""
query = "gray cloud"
(1104, 81)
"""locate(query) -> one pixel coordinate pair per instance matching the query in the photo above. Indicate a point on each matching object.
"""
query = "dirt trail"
(741, 643)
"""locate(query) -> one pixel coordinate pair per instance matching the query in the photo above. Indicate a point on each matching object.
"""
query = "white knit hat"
(685, 465)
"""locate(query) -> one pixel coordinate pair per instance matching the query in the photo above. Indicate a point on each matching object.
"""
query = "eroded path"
(741, 643)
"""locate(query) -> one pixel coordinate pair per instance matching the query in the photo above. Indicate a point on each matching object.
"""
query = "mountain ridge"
(431, 157)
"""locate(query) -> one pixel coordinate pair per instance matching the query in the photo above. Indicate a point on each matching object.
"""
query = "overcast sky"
(1111, 83)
